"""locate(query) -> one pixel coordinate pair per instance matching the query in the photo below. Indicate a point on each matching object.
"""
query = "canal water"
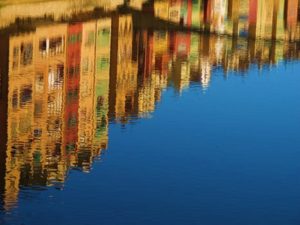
(107, 119)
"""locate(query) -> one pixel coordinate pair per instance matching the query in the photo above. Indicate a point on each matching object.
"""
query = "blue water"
(226, 155)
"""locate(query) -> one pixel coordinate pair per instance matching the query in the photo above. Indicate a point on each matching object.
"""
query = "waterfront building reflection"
(62, 84)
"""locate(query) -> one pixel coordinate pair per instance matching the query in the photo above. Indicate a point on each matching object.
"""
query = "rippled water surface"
(123, 114)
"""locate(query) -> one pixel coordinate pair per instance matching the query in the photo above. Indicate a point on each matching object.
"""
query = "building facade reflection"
(62, 84)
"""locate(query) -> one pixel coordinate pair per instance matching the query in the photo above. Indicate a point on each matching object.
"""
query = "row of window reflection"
(23, 54)
(23, 97)
(55, 81)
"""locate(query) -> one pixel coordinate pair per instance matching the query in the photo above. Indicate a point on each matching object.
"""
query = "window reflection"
(25, 95)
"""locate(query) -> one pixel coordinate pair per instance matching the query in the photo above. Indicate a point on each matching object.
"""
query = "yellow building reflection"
(123, 73)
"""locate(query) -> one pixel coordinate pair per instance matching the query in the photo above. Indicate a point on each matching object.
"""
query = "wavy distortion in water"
(64, 81)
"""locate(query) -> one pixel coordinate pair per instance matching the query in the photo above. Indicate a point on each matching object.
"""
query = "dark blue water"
(225, 155)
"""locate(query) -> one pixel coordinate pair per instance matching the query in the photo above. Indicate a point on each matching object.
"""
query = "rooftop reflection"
(62, 84)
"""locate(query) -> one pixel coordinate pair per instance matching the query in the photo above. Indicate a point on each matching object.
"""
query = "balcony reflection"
(62, 84)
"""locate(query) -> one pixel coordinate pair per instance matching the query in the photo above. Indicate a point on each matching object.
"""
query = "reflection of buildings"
(174, 11)
(237, 17)
(161, 9)
(102, 68)
(273, 19)
(180, 44)
(143, 52)
(43, 101)
(219, 15)
(50, 53)
(149, 85)
(123, 73)
(265, 19)
(270, 19)
(147, 96)
(86, 115)
(72, 91)
(61, 84)
(20, 122)
(161, 51)
(36, 65)
(178, 11)
(292, 13)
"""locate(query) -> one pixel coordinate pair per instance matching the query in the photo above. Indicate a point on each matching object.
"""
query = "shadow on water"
(66, 78)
